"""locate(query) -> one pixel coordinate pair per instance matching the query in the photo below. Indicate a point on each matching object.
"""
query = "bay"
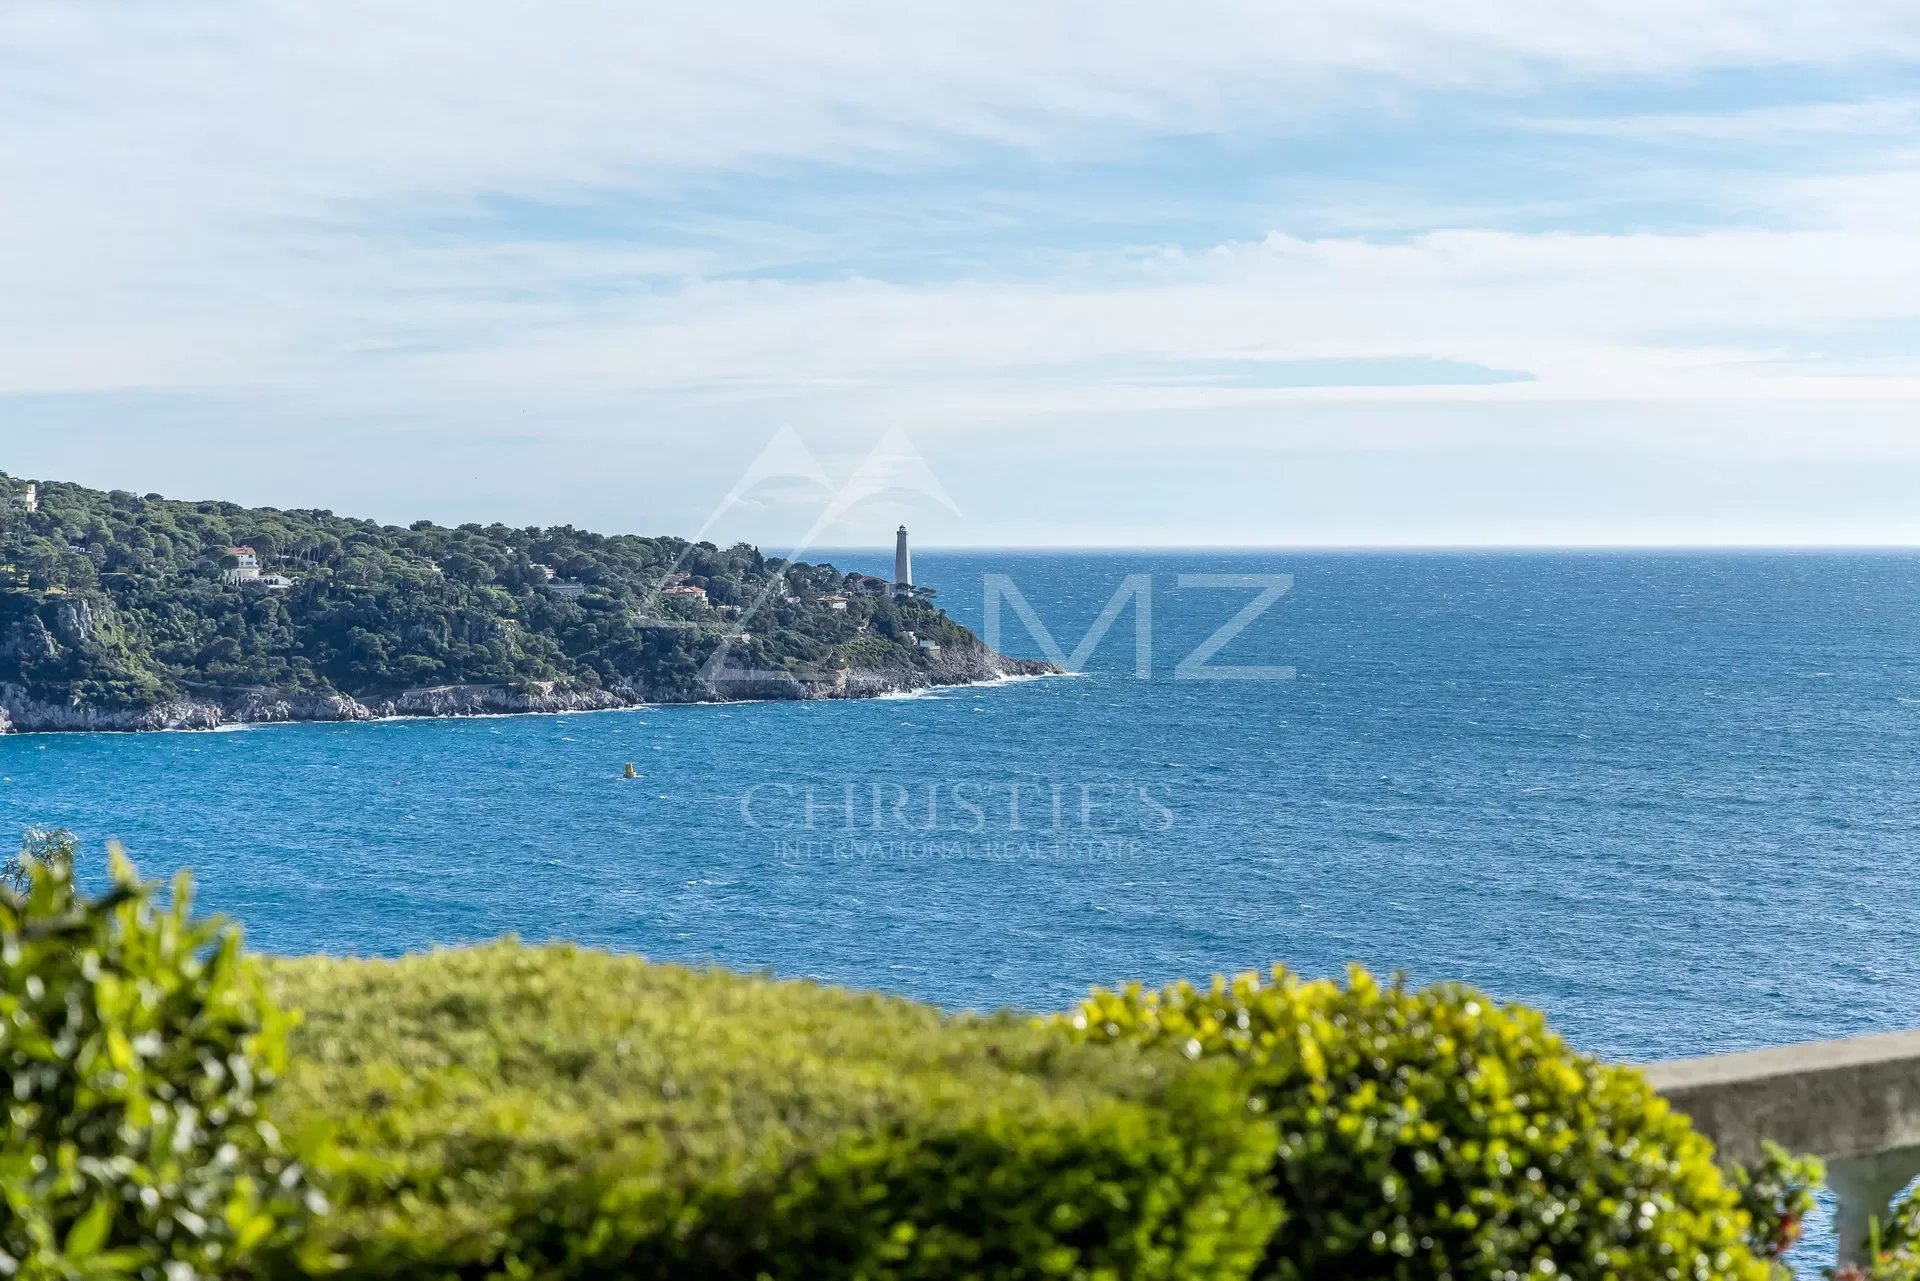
(1672, 798)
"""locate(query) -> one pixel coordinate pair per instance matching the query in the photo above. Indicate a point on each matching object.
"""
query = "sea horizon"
(1592, 783)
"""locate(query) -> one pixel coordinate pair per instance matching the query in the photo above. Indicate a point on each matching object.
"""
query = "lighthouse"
(902, 560)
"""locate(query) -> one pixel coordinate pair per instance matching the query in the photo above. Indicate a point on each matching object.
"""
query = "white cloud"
(1869, 118)
(278, 205)
(192, 187)
(1590, 316)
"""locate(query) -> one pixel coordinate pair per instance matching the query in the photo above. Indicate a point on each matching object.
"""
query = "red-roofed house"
(248, 567)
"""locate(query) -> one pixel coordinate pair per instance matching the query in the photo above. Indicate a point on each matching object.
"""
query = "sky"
(1015, 272)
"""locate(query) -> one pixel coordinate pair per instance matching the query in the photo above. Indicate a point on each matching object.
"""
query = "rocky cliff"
(20, 712)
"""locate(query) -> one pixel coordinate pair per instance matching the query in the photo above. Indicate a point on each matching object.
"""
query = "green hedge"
(552, 1112)
(1437, 1134)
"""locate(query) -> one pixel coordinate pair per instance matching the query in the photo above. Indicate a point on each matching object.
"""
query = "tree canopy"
(118, 600)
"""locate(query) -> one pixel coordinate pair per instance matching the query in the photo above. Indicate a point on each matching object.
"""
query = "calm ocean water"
(1674, 799)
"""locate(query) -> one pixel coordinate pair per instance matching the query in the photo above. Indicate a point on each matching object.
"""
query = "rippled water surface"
(1674, 799)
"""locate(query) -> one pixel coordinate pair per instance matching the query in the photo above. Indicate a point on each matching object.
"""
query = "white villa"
(247, 570)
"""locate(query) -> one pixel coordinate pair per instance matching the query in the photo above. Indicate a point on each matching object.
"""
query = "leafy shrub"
(52, 848)
(557, 1113)
(1777, 1195)
(553, 1112)
(135, 1049)
(1435, 1134)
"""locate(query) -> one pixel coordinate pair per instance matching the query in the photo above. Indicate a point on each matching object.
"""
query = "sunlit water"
(1673, 799)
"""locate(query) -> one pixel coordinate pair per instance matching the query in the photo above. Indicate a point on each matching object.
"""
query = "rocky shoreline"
(22, 712)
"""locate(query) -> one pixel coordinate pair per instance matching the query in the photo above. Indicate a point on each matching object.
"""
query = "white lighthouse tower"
(902, 560)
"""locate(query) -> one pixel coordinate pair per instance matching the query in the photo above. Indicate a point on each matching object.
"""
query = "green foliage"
(1893, 1251)
(553, 1112)
(52, 848)
(136, 1047)
(1777, 1196)
(556, 1113)
(1435, 1134)
(118, 601)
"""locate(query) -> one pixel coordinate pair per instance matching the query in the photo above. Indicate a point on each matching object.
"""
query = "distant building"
(902, 560)
(567, 587)
(28, 501)
(545, 571)
(930, 647)
(276, 582)
(246, 568)
(685, 591)
(834, 602)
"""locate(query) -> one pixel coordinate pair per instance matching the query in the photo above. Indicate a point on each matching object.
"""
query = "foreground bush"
(135, 1048)
(1435, 1134)
(551, 1112)
(555, 1113)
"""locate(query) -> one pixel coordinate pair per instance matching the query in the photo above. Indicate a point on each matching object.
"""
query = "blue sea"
(1674, 799)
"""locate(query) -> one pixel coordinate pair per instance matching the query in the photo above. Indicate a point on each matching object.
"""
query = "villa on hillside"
(686, 591)
(28, 501)
(834, 602)
(246, 568)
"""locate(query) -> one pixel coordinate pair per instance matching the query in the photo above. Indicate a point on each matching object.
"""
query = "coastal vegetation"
(114, 600)
(137, 1045)
(180, 1110)
(557, 1112)
(1437, 1133)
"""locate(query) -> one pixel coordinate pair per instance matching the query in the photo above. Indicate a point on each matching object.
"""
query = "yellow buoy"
(630, 772)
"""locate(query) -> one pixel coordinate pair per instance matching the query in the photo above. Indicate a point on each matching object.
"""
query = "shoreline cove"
(20, 713)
